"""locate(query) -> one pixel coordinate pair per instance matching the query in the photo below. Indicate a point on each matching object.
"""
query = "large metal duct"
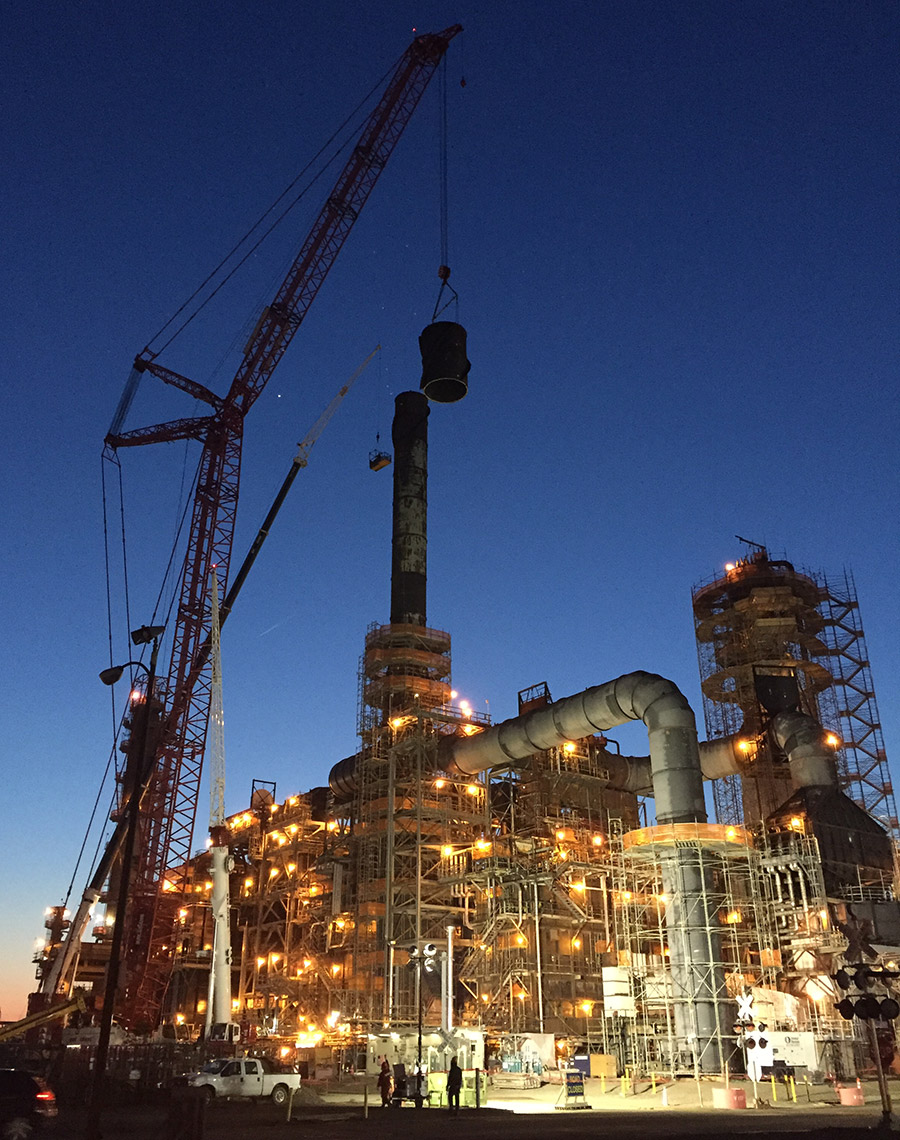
(694, 955)
(409, 547)
(674, 752)
(802, 739)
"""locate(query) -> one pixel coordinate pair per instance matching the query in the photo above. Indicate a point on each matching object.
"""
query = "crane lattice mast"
(170, 803)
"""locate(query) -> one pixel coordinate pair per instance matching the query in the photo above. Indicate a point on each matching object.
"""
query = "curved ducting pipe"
(674, 751)
(342, 778)
(695, 958)
(802, 739)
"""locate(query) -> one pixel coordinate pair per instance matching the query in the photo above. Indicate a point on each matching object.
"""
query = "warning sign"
(572, 1093)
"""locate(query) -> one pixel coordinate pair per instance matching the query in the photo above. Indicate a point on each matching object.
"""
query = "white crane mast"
(218, 1005)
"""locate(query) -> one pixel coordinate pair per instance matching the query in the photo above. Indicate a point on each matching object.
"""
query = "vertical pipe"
(221, 956)
(540, 968)
(449, 1026)
(409, 435)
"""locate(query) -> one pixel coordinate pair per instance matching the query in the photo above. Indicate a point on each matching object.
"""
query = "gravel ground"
(245, 1121)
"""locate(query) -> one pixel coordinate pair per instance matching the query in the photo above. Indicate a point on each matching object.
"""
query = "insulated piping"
(802, 739)
(674, 751)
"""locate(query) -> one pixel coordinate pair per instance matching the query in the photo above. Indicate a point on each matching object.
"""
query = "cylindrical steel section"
(342, 778)
(410, 532)
(445, 369)
(803, 741)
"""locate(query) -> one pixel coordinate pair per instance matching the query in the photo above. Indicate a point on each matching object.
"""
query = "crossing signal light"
(424, 957)
(868, 1008)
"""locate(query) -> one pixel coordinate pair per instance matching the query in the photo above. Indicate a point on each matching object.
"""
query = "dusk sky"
(673, 228)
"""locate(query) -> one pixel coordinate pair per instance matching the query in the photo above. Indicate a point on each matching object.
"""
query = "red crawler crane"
(170, 803)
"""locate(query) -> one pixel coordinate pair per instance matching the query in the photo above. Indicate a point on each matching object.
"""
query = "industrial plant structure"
(569, 894)
(520, 884)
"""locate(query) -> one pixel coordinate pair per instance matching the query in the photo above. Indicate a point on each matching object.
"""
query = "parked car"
(247, 1077)
(25, 1103)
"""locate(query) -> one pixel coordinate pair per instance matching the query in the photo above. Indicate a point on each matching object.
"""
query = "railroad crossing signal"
(867, 1007)
(424, 956)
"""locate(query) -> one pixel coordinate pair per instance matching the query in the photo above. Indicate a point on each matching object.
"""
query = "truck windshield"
(214, 1066)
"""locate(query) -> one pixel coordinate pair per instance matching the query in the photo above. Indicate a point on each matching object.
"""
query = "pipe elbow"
(342, 778)
(802, 739)
(655, 700)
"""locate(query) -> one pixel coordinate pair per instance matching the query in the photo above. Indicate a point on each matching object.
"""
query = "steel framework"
(170, 805)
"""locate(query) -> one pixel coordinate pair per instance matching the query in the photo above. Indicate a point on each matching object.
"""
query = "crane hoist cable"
(444, 268)
(345, 125)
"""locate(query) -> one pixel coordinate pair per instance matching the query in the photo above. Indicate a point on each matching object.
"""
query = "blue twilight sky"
(673, 229)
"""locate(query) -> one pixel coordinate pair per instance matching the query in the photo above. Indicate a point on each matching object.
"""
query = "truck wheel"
(280, 1094)
(209, 1093)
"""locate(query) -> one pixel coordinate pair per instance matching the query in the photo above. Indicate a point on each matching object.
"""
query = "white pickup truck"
(245, 1077)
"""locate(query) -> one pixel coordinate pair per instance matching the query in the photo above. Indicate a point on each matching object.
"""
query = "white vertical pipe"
(449, 1025)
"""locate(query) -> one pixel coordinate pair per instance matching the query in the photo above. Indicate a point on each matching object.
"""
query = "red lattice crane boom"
(170, 803)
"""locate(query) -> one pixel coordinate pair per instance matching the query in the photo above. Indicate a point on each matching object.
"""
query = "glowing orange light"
(832, 740)
(472, 789)
(439, 783)
(729, 565)
(447, 850)
(597, 841)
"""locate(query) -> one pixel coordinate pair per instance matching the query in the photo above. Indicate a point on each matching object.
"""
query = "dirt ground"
(530, 1115)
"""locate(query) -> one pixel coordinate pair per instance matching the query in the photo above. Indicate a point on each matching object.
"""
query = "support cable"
(377, 86)
(444, 268)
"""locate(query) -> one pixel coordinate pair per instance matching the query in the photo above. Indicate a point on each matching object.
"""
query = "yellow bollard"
(653, 1082)
(603, 1085)
(793, 1089)
(774, 1089)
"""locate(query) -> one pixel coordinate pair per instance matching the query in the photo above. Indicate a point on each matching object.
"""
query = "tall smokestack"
(409, 549)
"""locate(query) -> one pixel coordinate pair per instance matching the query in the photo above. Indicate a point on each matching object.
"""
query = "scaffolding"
(862, 760)
(650, 1006)
(413, 827)
(765, 618)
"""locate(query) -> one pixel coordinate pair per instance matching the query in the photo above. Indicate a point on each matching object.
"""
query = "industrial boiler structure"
(556, 890)
(514, 892)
